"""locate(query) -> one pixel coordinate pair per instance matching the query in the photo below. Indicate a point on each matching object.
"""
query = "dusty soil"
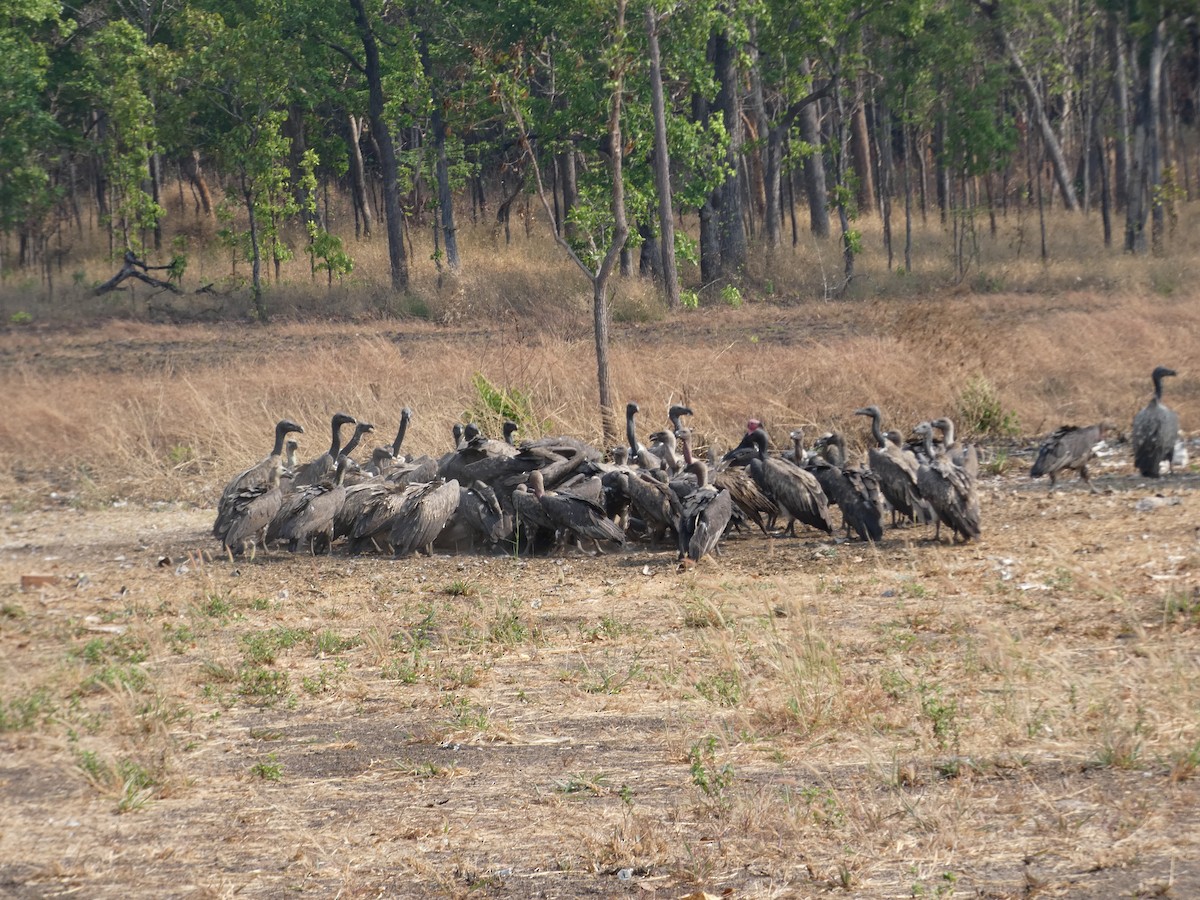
(1015, 717)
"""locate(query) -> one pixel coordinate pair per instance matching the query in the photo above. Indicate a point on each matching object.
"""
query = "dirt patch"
(1009, 718)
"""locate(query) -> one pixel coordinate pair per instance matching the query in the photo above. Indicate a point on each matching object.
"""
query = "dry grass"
(131, 409)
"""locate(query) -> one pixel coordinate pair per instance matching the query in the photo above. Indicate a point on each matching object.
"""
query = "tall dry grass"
(109, 408)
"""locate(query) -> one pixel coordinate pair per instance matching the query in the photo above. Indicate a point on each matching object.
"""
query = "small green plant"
(261, 685)
(941, 713)
(20, 318)
(180, 455)
(267, 769)
(24, 712)
(460, 588)
(330, 643)
(595, 784)
(689, 299)
(263, 647)
(723, 688)
(712, 780)
(493, 406)
(507, 628)
(981, 411)
(323, 681)
(731, 296)
(216, 606)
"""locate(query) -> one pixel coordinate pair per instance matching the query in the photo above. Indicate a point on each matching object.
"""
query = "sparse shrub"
(494, 405)
(723, 688)
(712, 780)
(267, 769)
(980, 410)
(689, 299)
(20, 318)
(731, 296)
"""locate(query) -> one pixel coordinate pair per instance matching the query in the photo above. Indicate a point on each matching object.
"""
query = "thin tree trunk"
(908, 197)
(358, 178)
(1145, 165)
(860, 144)
(814, 165)
(397, 258)
(1124, 148)
(1062, 174)
(445, 195)
(256, 291)
(662, 168)
(729, 210)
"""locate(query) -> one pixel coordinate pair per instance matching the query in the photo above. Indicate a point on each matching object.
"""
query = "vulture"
(306, 520)
(896, 468)
(424, 512)
(794, 490)
(263, 474)
(704, 517)
(573, 515)
(950, 490)
(855, 491)
(1155, 429)
(1070, 447)
(315, 470)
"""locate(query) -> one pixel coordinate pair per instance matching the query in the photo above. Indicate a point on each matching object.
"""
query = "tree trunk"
(1062, 174)
(156, 195)
(358, 176)
(1124, 131)
(570, 191)
(662, 169)
(814, 165)
(256, 291)
(1145, 164)
(445, 195)
(860, 144)
(397, 258)
(730, 203)
(620, 234)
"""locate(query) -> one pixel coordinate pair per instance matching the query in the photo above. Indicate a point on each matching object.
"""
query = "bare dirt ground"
(1015, 717)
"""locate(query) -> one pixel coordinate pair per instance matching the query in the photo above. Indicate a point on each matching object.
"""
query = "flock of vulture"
(542, 494)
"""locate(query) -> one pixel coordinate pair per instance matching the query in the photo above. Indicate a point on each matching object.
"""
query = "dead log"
(136, 268)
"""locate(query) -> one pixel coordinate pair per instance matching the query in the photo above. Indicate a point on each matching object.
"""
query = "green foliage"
(20, 318)
(712, 780)
(268, 769)
(494, 406)
(981, 411)
(120, 70)
(689, 299)
(731, 296)
(22, 712)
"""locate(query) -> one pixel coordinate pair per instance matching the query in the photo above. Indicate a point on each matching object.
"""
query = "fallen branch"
(136, 268)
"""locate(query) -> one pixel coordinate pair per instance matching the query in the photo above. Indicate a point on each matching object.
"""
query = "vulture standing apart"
(1155, 429)
(950, 490)
(704, 518)
(794, 491)
(1070, 447)
(315, 470)
(263, 474)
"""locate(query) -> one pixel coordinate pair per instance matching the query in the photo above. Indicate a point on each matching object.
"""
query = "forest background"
(375, 156)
